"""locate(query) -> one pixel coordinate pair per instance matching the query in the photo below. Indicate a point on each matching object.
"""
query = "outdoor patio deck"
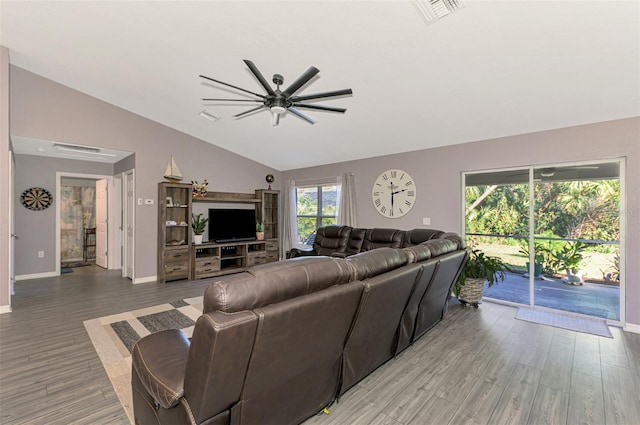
(591, 299)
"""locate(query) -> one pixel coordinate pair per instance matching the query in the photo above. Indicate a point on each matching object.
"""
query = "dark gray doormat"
(566, 321)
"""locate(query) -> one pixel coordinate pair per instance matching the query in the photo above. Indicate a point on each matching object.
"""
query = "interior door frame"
(621, 161)
(59, 176)
(128, 221)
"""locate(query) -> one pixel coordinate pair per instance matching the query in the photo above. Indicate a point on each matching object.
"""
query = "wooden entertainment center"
(179, 258)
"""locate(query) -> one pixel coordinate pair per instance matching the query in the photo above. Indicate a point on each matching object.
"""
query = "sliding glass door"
(558, 227)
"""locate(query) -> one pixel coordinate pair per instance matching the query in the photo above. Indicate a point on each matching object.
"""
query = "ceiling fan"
(280, 101)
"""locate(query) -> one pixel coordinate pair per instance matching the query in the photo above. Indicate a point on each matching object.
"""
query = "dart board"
(36, 199)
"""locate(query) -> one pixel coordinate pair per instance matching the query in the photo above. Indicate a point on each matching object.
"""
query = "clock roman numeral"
(376, 193)
(384, 177)
(409, 183)
(383, 209)
(378, 202)
(407, 203)
(411, 193)
(393, 174)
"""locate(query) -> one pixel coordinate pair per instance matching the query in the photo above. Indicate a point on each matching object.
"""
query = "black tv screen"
(230, 225)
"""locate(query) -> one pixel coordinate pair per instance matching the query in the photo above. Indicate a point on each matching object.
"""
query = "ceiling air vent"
(76, 148)
(432, 10)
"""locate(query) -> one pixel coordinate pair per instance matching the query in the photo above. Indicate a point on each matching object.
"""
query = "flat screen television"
(231, 225)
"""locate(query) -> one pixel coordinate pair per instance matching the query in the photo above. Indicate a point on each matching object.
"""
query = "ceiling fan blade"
(232, 86)
(249, 111)
(322, 95)
(303, 116)
(319, 107)
(234, 100)
(301, 81)
(260, 77)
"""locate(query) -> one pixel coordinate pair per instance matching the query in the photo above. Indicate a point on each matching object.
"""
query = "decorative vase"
(197, 239)
(260, 236)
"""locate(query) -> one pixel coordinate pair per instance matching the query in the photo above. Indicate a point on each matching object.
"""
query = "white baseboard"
(145, 279)
(36, 276)
(630, 327)
(5, 309)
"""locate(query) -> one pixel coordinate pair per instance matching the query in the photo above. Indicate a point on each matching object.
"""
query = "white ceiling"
(491, 69)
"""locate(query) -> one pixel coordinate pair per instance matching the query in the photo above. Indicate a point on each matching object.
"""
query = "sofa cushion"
(418, 253)
(378, 238)
(274, 282)
(330, 239)
(452, 236)
(356, 239)
(372, 263)
(441, 246)
(159, 361)
(417, 236)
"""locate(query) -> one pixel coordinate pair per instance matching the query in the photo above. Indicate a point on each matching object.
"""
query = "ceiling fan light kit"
(281, 101)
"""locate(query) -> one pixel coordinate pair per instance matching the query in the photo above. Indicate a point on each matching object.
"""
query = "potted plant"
(198, 224)
(569, 258)
(259, 231)
(538, 258)
(480, 268)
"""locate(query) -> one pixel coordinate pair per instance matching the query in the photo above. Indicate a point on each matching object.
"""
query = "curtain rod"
(319, 178)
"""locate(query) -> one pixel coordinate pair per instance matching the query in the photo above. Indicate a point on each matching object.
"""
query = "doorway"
(559, 228)
(87, 219)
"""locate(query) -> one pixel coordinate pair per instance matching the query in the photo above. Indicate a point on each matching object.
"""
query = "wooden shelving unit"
(174, 231)
(210, 259)
(178, 258)
(268, 214)
(230, 197)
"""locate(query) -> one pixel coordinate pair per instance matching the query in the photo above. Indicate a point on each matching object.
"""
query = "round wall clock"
(36, 199)
(393, 193)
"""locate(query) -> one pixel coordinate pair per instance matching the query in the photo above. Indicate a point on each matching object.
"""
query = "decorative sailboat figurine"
(172, 173)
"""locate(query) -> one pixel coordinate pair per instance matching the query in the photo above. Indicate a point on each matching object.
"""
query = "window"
(316, 206)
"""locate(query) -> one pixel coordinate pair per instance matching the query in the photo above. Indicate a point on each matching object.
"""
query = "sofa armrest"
(160, 360)
(297, 252)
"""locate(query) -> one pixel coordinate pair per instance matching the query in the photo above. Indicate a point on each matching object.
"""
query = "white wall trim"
(630, 327)
(144, 279)
(5, 309)
(36, 275)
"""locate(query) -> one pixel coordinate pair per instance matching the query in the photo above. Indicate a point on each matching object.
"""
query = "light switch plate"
(426, 221)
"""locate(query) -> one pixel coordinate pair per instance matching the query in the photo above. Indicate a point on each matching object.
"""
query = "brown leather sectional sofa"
(278, 343)
(343, 241)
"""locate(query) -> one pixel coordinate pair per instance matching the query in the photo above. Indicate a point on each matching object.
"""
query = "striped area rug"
(565, 321)
(113, 338)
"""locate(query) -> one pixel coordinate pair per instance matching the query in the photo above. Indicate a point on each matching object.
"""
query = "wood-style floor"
(476, 367)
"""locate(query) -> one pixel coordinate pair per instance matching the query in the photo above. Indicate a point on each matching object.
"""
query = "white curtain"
(289, 227)
(347, 209)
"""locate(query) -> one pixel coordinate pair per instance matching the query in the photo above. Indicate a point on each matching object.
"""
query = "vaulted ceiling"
(491, 69)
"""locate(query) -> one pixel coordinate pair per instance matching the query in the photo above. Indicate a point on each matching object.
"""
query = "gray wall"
(43, 109)
(5, 157)
(437, 173)
(37, 229)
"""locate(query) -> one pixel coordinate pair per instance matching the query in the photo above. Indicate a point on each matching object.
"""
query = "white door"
(129, 203)
(101, 223)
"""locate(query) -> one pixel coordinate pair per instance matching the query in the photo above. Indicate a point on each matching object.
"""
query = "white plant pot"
(197, 239)
(260, 236)
(573, 278)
